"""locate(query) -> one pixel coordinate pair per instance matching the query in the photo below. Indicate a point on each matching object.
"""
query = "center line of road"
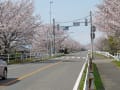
(32, 73)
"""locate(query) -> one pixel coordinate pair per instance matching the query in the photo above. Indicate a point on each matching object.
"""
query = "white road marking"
(73, 57)
(15, 67)
(70, 57)
(83, 57)
(79, 77)
(78, 57)
(56, 58)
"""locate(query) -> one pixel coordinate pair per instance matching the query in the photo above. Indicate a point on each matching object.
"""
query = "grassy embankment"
(97, 78)
(18, 61)
(83, 79)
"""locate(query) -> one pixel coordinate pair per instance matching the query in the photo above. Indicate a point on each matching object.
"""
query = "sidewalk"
(110, 74)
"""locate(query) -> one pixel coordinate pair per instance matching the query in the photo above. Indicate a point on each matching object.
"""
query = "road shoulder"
(109, 74)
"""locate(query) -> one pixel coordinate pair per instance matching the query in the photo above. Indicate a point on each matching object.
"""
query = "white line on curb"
(85, 83)
(79, 77)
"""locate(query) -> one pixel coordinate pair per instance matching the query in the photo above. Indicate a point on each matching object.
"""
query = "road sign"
(76, 23)
(93, 28)
(92, 35)
(58, 27)
(86, 22)
(65, 27)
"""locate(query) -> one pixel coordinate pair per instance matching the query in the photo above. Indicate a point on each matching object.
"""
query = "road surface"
(56, 74)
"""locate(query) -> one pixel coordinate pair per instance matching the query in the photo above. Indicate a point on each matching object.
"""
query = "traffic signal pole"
(92, 36)
(54, 49)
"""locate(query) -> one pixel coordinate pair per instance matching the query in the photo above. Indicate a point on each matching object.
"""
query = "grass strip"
(33, 59)
(83, 79)
(100, 56)
(97, 79)
(117, 63)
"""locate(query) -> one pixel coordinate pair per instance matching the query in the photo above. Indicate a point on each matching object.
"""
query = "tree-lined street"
(47, 44)
(55, 74)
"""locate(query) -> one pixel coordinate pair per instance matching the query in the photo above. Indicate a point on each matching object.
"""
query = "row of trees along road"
(20, 27)
(42, 40)
(107, 20)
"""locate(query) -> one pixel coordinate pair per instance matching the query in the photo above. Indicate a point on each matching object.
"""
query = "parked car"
(3, 69)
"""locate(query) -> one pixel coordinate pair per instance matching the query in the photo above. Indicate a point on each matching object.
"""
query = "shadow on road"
(71, 61)
(46, 61)
(55, 61)
(8, 82)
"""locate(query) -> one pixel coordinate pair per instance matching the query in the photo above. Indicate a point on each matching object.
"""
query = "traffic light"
(93, 28)
(58, 27)
(93, 32)
(86, 22)
(65, 27)
(92, 35)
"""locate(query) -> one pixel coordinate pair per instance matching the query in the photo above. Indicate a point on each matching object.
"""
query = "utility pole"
(50, 33)
(51, 2)
(92, 36)
(91, 32)
(54, 49)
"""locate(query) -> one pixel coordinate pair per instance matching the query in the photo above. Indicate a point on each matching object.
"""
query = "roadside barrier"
(107, 54)
(76, 86)
(23, 57)
(89, 79)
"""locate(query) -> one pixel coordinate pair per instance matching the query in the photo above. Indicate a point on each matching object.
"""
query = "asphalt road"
(56, 74)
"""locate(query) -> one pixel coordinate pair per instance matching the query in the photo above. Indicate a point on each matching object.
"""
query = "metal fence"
(23, 57)
(116, 56)
(86, 83)
(89, 78)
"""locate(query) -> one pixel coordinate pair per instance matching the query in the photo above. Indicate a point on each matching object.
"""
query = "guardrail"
(107, 54)
(89, 79)
(76, 86)
(117, 56)
(86, 77)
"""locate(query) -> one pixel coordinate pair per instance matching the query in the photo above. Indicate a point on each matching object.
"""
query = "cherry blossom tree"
(107, 17)
(17, 23)
(101, 44)
(107, 20)
(72, 45)
(43, 40)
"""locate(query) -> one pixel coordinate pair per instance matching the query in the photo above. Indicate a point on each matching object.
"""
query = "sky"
(69, 10)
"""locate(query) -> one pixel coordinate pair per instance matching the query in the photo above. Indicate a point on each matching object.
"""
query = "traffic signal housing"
(86, 22)
(93, 32)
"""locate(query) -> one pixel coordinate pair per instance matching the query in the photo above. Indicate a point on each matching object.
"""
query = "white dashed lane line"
(70, 58)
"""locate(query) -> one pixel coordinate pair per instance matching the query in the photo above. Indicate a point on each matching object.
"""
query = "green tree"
(113, 44)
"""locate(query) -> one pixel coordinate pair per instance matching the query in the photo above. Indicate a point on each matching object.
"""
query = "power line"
(73, 20)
